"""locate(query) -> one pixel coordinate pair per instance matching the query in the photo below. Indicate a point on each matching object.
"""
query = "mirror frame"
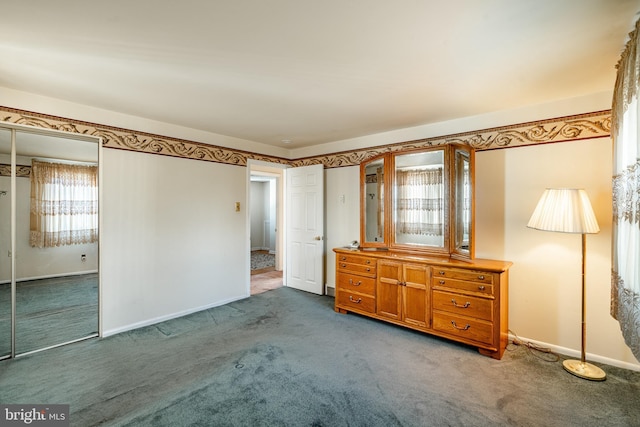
(457, 187)
(451, 207)
(386, 203)
(440, 250)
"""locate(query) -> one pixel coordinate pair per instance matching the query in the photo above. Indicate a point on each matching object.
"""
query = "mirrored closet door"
(5, 243)
(55, 239)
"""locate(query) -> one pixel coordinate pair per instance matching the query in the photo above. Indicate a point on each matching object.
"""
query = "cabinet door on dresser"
(415, 295)
(388, 289)
(402, 292)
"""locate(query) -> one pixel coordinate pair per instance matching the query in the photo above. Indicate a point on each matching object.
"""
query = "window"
(64, 204)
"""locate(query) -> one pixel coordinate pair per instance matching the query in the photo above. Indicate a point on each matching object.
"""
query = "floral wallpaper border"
(569, 128)
(21, 171)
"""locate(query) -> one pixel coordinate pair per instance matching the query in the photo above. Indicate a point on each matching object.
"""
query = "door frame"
(257, 167)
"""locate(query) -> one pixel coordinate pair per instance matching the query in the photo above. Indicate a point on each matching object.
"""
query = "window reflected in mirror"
(420, 198)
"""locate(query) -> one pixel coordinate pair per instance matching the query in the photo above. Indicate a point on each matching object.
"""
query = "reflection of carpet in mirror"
(262, 259)
(49, 311)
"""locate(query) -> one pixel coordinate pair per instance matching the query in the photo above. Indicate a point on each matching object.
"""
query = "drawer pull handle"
(455, 304)
(368, 261)
(481, 287)
(481, 277)
(358, 301)
(467, 326)
(343, 265)
(441, 273)
(368, 269)
(344, 258)
(442, 282)
(355, 284)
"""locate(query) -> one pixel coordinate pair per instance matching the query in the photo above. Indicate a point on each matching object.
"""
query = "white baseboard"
(161, 319)
(576, 354)
(329, 290)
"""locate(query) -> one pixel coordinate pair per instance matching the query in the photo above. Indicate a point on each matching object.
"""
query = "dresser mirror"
(419, 201)
(463, 203)
(372, 203)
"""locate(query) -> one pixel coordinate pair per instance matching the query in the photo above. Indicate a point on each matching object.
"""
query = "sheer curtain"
(420, 201)
(625, 275)
(64, 204)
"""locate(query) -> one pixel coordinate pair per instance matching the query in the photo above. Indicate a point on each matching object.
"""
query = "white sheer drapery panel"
(64, 204)
(420, 202)
(625, 275)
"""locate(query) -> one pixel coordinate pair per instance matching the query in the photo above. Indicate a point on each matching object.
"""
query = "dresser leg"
(340, 310)
(494, 354)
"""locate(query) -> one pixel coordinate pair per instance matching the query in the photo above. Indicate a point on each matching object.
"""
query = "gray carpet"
(286, 358)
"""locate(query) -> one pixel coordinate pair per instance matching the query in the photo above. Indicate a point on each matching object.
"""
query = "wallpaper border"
(21, 170)
(569, 128)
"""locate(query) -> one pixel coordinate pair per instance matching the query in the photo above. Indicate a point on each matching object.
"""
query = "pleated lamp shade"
(564, 210)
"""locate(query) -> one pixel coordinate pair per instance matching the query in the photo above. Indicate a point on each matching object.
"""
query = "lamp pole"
(584, 300)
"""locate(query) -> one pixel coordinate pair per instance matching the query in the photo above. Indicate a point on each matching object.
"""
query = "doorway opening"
(265, 222)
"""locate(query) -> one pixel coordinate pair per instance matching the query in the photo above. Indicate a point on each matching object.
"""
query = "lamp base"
(584, 370)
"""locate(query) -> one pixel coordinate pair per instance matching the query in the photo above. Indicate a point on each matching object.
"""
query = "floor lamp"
(568, 210)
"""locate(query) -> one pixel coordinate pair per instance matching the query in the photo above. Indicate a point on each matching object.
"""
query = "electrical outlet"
(83, 257)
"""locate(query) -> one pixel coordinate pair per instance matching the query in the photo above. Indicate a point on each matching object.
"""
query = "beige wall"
(173, 243)
(545, 280)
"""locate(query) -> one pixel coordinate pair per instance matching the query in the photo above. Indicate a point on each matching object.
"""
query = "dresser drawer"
(463, 327)
(353, 283)
(368, 270)
(355, 301)
(356, 259)
(459, 285)
(482, 277)
(463, 280)
(481, 308)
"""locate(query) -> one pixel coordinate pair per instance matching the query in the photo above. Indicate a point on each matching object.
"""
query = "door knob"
(318, 238)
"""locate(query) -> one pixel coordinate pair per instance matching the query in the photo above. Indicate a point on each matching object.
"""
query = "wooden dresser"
(465, 301)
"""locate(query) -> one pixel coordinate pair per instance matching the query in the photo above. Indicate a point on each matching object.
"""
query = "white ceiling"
(311, 71)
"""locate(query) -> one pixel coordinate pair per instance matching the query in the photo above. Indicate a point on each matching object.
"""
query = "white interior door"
(305, 228)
